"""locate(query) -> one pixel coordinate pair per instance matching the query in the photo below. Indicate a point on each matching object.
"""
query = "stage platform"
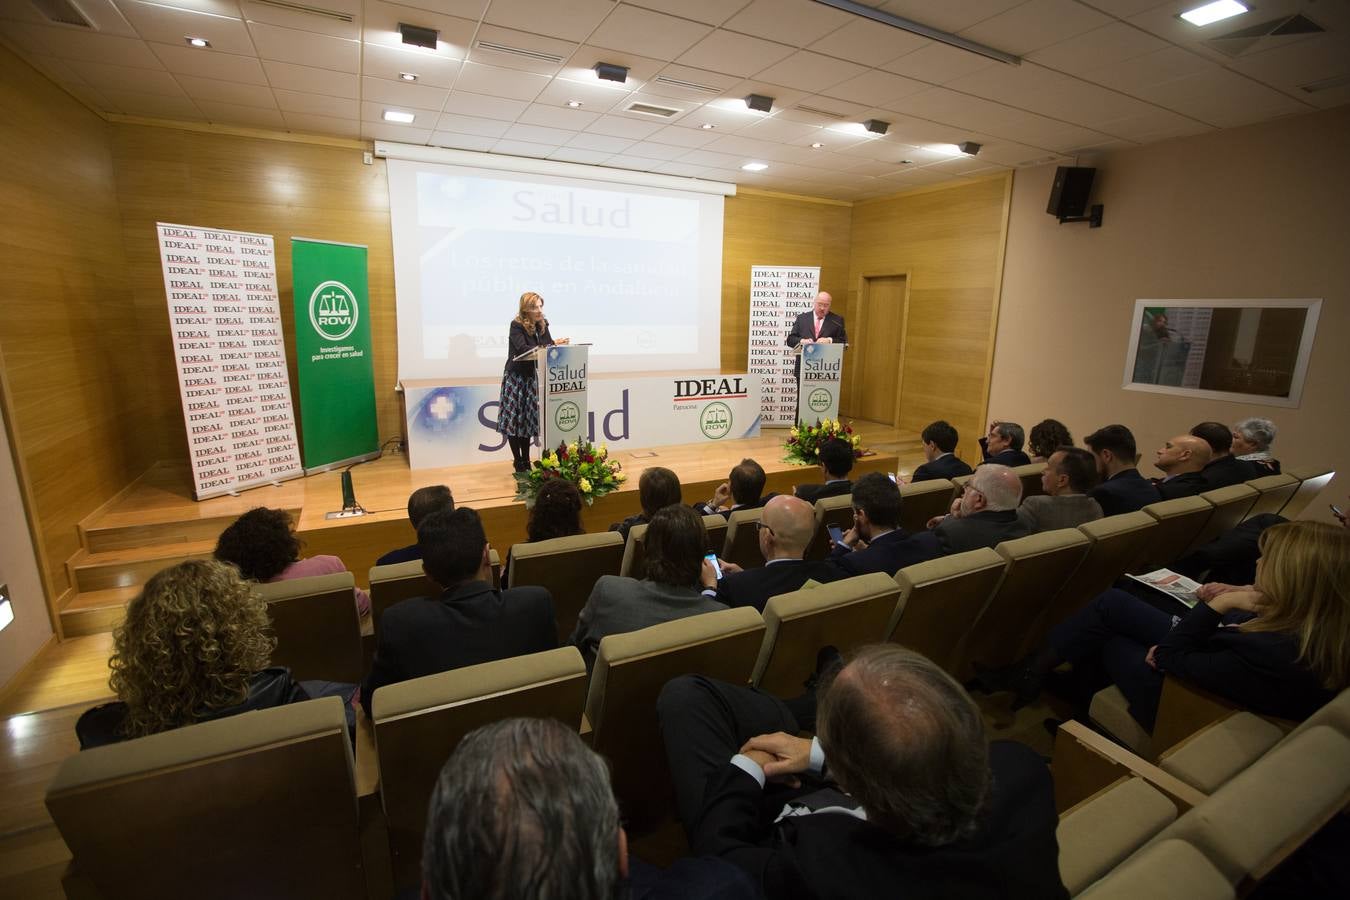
(155, 522)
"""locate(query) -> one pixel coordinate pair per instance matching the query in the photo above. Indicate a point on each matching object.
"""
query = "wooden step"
(143, 529)
(132, 566)
(93, 612)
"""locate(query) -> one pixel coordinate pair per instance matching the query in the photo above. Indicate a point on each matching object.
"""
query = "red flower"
(848, 429)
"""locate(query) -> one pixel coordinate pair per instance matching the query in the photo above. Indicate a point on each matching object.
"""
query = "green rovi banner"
(332, 353)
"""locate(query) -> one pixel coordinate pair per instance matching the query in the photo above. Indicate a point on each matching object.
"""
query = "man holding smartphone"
(876, 542)
(785, 530)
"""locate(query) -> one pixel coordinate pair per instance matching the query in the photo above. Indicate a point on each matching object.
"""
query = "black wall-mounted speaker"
(1069, 193)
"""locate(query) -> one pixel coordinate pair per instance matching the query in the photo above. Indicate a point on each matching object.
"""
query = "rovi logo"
(333, 310)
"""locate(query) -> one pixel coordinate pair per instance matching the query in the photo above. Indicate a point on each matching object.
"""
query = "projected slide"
(633, 271)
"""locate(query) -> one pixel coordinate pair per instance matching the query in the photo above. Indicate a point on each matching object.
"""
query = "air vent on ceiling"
(1236, 43)
(307, 10)
(687, 85)
(827, 113)
(519, 51)
(648, 109)
(1326, 84)
(62, 12)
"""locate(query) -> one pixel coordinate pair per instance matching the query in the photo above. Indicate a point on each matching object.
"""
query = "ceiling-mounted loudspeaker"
(876, 126)
(1069, 192)
(418, 36)
(611, 72)
(969, 148)
(759, 102)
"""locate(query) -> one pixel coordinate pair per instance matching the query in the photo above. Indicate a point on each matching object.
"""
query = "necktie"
(817, 328)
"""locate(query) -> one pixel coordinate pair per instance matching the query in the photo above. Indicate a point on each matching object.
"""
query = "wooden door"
(876, 339)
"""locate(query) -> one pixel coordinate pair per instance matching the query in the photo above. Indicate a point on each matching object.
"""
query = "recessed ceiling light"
(575, 104)
(817, 145)
(707, 126)
(402, 118)
(1213, 12)
(197, 42)
(407, 76)
(755, 167)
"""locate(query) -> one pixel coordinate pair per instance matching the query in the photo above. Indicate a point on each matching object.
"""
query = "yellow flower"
(856, 440)
(620, 477)
(602, 452)
(584, 486)
(825, 424)
(572, 449)
(793, 431)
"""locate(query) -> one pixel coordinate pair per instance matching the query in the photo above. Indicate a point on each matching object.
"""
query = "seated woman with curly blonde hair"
(195, 645)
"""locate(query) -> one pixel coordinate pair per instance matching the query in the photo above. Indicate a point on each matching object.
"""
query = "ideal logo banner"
(225, 320)
(564, 392)
(778, 294)
(332, 352)
(822, 368)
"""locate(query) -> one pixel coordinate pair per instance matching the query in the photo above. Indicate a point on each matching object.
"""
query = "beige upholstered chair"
(262, 804)
(1116, 542)
(634, 552)
(568, 567)
(716, 526)
(392, 583)
(960, 481)
(1168, 870)
(1038, 565)
(842, 614)
(1231, 505)
(630, 670)
(1179, 521)
(1031, 478)
(1275, 491)
(1099, 833)
(1212, 756)
(922, 500)
(742, 541)
(940, 600)
(418, 724)
(317, 628)
(1311, 482)
(836, 511)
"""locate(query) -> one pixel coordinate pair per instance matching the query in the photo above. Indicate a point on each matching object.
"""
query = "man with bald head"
(818, 325)
(1181, 460)
(785, 529)
(986, 513)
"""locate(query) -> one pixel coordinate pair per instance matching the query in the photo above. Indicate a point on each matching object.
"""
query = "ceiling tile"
(1102, 46)
(711, 12)
(867, 42)
(467, 9)
(711, 159)
(582, 66)
(568, 19)
(594, 95)
(400, 93)
(615, 126)
(652, 150)
(1124, 8)
(683, 137)
(463, 141)
(381, 21)
(1150, 69)
(734, 54)
(306, 49)
(467, 104)
(343, 127)
(185, 60)
(402, 134)
(701, 77)
(876, 167)
(520, 40)
(809, 71)
(489, 128)
(496, 82)
(57, 70)
(636, 163)
(938, 64)
(775, 128)
(1308, 62)
(725, 115)
(681, 169)
(575, 155)
(538, 134)
(310, 80)
(155, 22)
(317, 105)
(107, 18)
(124, 78)
(875, 88)
(1222, 98)
(648, 33)
(228, 92)
(557, 117)
(67, 43)
(424, 119)
(390, 62)
(523, 148)
(229, 113)
(1036, 24)
(288, 18)
(795, 22)
(154, 105)
(947, 16)
(588, 141)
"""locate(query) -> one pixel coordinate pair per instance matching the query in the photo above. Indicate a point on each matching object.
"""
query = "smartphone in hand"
(836, 534)
(717, 567)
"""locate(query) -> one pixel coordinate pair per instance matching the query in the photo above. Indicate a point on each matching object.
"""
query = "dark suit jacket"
(1187, 484)
(464, 626)
(1228, 470)
(983, 529)
(948, 466)
(889, 553)
(836, 856)
(1126, 491)
(813, 492)
(401, 555)
(754, 587)
(704, 509)
(804, 328)
(1009, 457)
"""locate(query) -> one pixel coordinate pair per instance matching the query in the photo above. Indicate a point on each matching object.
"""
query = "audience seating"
(1311, 482)
(836, 511)
(1100, 832)
(1231, 505)
(922, 500)
(630, 670)
(1038, 565)
(568, 567)
(716, 526)
(1168, 870)
(1179, 521)
(261, 804)
(961, 480)
(843, 614)
(418, 724)
(940, 598)
(317, 627)
(393, 583)
(742, 541)
(1031, 478)
(634, 552)
(1275, 491)
(1116, 542)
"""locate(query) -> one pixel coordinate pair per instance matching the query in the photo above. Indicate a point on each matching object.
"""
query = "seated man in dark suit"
(1069, 474)
(744, 487)
(986, 513)
(785, 530)
(939, 448)
(836, 459)
(916, 801)
(1223, 467)
(421, 503)
(1122, 488)
(876, 542)
(1181, 460)
(1003, 444)
(469, 622)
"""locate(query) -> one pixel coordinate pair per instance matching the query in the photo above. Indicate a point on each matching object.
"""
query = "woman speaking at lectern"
(518, 417)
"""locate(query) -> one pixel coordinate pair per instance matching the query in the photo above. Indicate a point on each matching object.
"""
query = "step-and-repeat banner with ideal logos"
(778, 294)
(225, 319)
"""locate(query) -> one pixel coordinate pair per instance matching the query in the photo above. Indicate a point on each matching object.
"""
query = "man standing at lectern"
(818, 326)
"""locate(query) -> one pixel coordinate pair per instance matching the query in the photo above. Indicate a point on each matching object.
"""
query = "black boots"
(520, 453)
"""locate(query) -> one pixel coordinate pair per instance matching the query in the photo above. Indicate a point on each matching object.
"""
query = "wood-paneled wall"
(948, 243)
(68, 328)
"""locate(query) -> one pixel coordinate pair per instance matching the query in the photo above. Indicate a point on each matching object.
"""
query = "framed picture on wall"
(1248, 351)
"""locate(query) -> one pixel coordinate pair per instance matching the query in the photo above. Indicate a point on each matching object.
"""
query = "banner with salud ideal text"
(332, 353)
(225, 321)
(564, 392)
(778, 294)
(822, 373)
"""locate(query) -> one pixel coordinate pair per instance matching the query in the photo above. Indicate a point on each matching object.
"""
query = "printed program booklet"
(1179, 587)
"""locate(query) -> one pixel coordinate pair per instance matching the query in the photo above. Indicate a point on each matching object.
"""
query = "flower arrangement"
(580, 462)
(803, 443)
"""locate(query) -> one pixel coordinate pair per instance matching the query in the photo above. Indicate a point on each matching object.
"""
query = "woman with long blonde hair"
(195, 645)
(518, 414)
